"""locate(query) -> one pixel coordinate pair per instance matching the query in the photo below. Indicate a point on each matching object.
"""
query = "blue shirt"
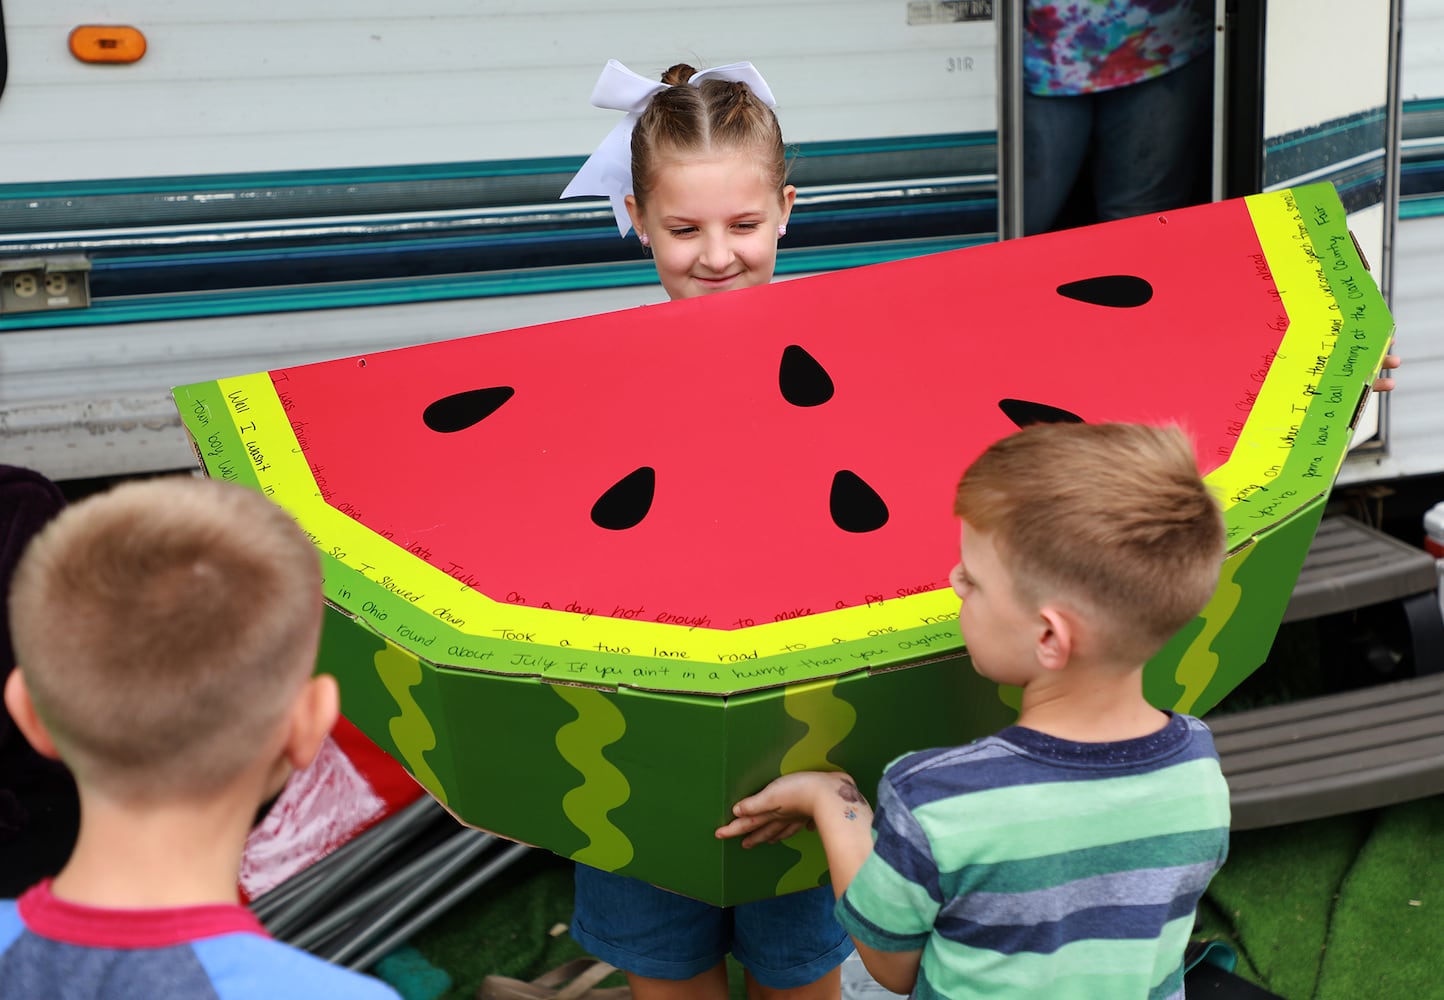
(66, 951)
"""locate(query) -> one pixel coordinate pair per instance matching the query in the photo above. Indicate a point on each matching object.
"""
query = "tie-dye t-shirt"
(1083, 46)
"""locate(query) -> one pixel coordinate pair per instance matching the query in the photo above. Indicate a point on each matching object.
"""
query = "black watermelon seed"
(627, 501)
(1120, 291)
(461, 410)
(854, 505)
(803, 381)
(1022, 413)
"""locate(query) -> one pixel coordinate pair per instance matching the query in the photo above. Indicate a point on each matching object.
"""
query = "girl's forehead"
(729, 158)
(714, 183)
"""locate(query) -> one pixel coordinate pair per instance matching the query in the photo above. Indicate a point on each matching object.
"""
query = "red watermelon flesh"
(723, 462)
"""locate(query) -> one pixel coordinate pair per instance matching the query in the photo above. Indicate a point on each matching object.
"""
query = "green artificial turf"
(1273, 899)
(1388, 923)
(1336, 909)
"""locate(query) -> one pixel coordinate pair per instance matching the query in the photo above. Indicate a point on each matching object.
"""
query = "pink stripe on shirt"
(105, 927)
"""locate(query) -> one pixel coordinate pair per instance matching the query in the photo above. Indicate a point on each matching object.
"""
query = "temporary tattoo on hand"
(849, 813)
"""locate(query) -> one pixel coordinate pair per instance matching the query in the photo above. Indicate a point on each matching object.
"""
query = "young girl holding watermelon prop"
(698, 169)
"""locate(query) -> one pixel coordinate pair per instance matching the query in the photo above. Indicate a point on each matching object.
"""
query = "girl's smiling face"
(712, 220)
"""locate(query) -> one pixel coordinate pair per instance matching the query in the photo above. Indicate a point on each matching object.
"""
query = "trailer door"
(1310, 92)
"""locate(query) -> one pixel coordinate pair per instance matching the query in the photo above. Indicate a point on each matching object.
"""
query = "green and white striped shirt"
(1028, 866)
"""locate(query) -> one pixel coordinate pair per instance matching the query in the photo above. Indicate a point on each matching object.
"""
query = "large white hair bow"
(608, 171)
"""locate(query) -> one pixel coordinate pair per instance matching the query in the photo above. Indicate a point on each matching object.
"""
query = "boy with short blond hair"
(165, 636)
(1065, 855)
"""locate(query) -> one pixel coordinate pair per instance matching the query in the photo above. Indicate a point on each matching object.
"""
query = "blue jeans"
(1148, 145)
(785, 943)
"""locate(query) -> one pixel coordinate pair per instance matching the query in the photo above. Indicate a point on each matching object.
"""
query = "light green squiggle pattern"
(829, 719)
(598, 724)
(1199, 662)
(410, 731)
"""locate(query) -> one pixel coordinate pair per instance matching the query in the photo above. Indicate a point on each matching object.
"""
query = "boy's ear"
(1056, 638)
(22, 710)
(313, 714)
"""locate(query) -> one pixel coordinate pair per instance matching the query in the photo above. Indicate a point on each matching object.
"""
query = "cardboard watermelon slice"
(592, 581)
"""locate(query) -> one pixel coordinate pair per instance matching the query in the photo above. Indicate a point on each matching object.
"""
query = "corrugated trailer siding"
(306, 85)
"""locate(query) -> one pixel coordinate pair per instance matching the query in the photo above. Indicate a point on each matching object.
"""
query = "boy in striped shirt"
(1064, 856)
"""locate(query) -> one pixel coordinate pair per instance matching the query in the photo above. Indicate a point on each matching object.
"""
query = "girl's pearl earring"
(646, 240)
(781, 231)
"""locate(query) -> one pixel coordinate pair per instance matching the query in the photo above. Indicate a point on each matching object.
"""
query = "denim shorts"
(785, 942)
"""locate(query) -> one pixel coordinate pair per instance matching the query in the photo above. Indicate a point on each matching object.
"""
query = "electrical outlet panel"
(36, 284)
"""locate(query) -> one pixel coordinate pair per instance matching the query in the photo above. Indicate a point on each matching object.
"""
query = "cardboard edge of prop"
(603, 759)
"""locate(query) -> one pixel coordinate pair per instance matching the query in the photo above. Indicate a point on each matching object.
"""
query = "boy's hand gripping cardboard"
(592, 582)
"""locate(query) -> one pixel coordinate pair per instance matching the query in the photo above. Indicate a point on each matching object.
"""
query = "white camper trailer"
(302, 181)
(244, 191)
